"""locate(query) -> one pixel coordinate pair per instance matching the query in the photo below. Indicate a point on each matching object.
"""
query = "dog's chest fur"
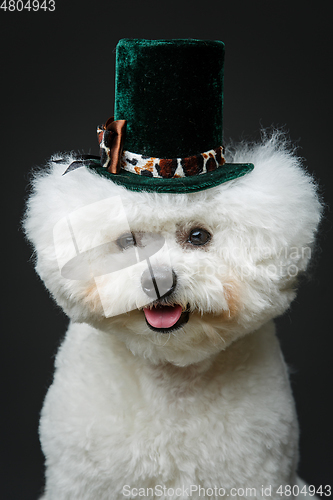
(112, 419)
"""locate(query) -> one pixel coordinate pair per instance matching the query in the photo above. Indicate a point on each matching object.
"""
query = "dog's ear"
(53, 198)
(277, 204)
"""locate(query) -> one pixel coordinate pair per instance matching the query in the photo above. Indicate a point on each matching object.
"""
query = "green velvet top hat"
(166, 133)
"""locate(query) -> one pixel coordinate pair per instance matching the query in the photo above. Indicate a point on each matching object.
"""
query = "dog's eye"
(125, 241)
(199, 236)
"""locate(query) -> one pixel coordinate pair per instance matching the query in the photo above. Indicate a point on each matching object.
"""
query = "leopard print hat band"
(172, 168)
(110, 136)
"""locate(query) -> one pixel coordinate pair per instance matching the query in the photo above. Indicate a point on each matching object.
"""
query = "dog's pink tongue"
(163, 317)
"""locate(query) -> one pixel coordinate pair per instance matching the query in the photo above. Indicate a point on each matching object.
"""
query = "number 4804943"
(34, 5)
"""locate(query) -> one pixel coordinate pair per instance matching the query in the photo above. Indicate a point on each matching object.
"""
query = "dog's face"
(176, 277)
(182, 302)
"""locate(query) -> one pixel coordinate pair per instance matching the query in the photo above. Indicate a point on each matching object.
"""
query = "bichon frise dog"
(170, 382)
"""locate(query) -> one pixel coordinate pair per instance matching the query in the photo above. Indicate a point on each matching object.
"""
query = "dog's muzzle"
(158, 283)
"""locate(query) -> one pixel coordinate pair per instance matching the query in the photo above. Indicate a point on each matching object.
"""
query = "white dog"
(183, 394)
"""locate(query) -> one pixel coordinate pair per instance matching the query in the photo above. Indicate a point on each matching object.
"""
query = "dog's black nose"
(158, 282)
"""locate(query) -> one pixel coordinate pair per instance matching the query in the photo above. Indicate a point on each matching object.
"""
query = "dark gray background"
(57, 84)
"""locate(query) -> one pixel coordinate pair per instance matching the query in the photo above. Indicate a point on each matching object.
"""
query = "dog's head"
(177, 277)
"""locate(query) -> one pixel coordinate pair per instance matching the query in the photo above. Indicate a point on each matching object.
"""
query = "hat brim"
(190, 184)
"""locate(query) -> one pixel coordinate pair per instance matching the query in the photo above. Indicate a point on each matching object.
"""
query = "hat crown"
(170, 92)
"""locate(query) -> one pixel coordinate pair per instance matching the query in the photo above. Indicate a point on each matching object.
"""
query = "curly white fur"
(208, 404)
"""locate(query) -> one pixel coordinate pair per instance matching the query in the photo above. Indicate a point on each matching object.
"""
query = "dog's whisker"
(221, 338)
(167, 340)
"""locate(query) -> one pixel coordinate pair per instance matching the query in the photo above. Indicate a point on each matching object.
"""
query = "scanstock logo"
(108, 254)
